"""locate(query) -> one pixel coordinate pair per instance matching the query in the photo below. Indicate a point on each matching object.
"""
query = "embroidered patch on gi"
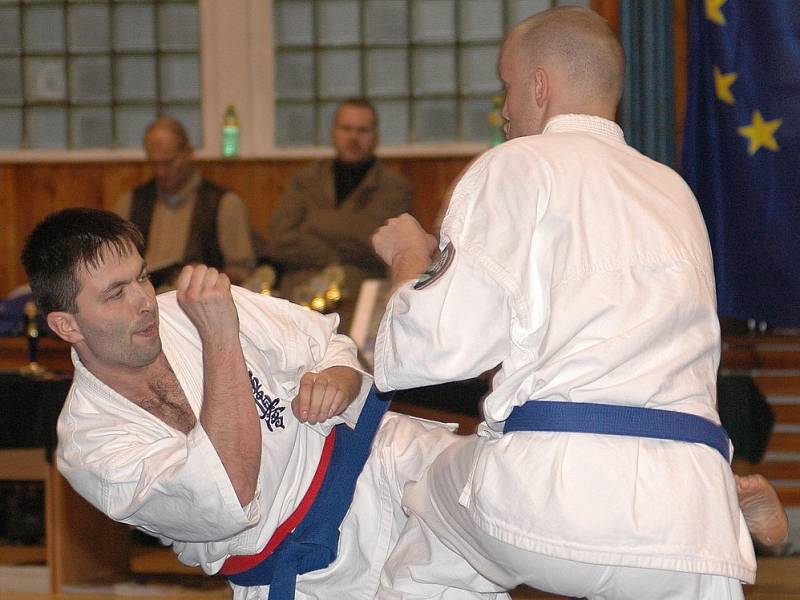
(268, 409)
(437, 269)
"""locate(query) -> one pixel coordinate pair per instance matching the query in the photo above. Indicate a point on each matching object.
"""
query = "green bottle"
(496, 121)
(230, 133)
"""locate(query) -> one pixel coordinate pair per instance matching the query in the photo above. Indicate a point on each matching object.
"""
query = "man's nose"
(144, 297)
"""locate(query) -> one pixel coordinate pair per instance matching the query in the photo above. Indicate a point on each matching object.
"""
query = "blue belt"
(612, 419)
(313, 544)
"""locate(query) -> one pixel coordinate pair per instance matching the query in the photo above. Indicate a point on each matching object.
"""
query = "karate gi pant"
(443, 554)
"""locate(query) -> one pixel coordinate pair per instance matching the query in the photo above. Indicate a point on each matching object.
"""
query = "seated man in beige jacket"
(330, 209)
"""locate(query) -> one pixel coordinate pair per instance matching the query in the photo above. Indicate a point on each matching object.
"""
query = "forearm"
(229, 415)
(405, 247)
(407, 266)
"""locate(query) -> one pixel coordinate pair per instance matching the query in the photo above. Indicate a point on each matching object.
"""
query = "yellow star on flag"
(761, 133)
(714, 11)
(723, 83)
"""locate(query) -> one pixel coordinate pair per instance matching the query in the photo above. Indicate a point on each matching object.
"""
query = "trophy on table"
(262, 280)
(322, 291)
(33, 368)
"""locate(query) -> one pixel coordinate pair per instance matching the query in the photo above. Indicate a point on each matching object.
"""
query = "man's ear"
(64, 326)
(541, 86)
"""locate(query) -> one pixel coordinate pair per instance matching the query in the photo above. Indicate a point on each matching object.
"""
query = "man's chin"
(353, 159)
(147, 356)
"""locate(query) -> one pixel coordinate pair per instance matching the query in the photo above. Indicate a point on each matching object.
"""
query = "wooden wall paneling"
(84, 546)
(44, 188)
(609, 10)
(118, 178)
(430, 182)
(680, 45)
(260, 183)
(31, 191)
(9, 244)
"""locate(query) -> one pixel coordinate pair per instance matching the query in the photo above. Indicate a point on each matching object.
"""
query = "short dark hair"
(358, 103)
(66, 241)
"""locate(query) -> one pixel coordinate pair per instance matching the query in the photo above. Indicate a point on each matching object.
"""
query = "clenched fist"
(401, 236)
(325, 394)
(204, 294)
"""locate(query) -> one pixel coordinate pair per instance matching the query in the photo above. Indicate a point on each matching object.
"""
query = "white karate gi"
(584, 268)
(138, 470)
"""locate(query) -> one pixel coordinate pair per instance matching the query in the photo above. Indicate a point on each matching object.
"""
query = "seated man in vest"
(184, 218)
(329, 209)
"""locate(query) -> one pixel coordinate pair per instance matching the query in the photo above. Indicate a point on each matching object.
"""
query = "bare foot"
(763, 511)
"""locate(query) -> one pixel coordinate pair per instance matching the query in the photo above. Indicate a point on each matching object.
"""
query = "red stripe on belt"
(237, 564)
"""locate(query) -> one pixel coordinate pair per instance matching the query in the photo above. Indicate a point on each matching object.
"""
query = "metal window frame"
(25, 104)
(458, 96)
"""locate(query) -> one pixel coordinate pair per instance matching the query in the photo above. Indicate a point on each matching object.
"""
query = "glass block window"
(428, 66)
(93, 74)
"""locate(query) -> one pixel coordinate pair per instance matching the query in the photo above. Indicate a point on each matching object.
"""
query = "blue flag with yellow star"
(741, 151)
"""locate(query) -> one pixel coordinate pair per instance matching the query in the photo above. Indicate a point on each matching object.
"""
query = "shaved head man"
(583, 269)
(559, 62)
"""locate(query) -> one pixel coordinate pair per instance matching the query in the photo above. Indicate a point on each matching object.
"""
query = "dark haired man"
(220, 420)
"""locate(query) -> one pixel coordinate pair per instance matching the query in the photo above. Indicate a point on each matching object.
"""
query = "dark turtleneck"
(348, 175)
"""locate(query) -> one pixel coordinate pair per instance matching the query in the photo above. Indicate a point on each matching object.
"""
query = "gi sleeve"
(461, 318)
(455, 328)
(143, 473)
(306, 341)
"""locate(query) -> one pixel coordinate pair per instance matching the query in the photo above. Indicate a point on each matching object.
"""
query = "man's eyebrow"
(120, 282)
(113, 285)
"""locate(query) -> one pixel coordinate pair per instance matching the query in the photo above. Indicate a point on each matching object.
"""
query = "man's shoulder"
(314, 170)
(146, 189)
(390, 175)
(147, 185)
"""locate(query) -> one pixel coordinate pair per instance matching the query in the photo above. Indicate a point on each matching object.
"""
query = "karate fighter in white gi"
(207, 416)
(583, 269)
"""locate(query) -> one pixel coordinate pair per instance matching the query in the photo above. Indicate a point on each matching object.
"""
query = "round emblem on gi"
(437, 268)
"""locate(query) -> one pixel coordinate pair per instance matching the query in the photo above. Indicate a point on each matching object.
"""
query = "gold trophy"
(318, 285)
(322, 291)
(33, 368)
(262, 280)
(334, 276)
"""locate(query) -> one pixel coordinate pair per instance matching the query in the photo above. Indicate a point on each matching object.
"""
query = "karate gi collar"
(585, 124)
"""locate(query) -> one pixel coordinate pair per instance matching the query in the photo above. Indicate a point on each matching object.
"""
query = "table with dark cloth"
(743, 410)
(29, 410)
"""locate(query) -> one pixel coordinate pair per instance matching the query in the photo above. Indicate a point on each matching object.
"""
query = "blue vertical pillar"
(647, 113)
